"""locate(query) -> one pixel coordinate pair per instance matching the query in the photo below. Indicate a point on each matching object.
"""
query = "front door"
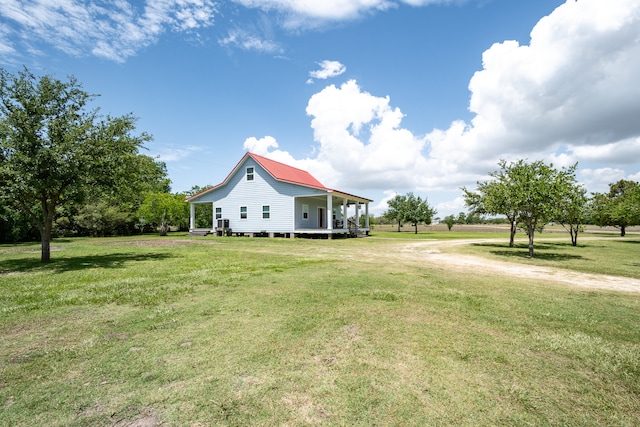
(320, 217)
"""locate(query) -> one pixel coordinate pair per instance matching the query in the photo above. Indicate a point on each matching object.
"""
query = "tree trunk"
(46, 246)
(574, 236)
(531, 229)
(416, 226)
(512, 234)
(164, 228)
(45, 234)
(398, 226)
(623, 231)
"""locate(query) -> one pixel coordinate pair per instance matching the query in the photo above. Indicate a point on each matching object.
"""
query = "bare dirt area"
(431, 252)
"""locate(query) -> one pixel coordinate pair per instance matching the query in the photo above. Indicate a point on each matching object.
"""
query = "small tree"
(572, 211)
(417, 211)
(450, 221)
(396, 211)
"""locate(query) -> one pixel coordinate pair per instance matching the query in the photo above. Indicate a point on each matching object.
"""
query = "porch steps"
(355, 231)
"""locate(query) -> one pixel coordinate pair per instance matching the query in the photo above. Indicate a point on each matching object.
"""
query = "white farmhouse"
(264, 197)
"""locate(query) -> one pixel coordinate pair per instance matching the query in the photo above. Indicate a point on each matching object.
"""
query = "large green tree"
(620, 207)
(54, 149)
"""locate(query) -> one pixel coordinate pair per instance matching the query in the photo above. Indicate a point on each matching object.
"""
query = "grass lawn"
(183, 331)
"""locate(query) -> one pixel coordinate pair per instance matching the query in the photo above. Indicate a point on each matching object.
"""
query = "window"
(218, 213)
(305, 211)
(243, 212)
(265, 212)
(249, 174)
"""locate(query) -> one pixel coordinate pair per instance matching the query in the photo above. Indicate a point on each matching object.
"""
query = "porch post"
(366, 215)
(329, 212)
(345, 218)
(357, 216)
(192, 216)
(214, 223)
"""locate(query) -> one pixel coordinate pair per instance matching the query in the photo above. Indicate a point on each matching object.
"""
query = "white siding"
(264, 190)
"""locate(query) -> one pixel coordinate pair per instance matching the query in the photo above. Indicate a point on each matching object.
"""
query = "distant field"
(491, 228)
(175, 331)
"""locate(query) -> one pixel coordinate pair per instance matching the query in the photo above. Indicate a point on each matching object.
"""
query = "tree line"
(531, 195)
(411, 209)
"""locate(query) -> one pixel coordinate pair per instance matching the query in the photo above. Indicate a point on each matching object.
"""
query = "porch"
(333, 214)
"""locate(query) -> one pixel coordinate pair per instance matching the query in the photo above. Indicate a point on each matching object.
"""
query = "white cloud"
(571, 94)
(621, 152)
(455, 205)
(260, 146)
(114, 31)
(309, 13)
(174, 154)
(598, 180)
(361, 143)
(6, 47)
(360, 136)
(246, 41)
(574, 86)
(382, 205)
(327, 70)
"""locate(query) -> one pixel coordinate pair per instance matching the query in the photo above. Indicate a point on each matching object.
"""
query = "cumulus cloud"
(361, 136)
(570, 95)
(598, 180)
(572, 89)
(327, 70)
(361, 143)
(114, 31)
(455, 205)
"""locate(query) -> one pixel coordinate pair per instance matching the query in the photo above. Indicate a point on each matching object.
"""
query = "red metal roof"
(287, 173)
(280, 172)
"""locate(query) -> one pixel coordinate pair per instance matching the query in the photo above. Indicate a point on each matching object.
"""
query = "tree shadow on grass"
(543, 251)
(633, 242)
(61, 265)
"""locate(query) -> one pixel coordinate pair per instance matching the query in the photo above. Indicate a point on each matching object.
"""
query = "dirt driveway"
(431, 252)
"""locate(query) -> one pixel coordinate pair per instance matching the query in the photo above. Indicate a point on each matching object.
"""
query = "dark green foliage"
(411, 209)
(450, 221)
(163, 210)
(529, 194)
(55, 152)
(619, 208)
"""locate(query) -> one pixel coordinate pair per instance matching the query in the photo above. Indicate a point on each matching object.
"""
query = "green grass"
(237, 331)
(618, 256)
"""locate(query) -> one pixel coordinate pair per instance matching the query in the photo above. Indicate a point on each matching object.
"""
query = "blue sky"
(372, 97)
